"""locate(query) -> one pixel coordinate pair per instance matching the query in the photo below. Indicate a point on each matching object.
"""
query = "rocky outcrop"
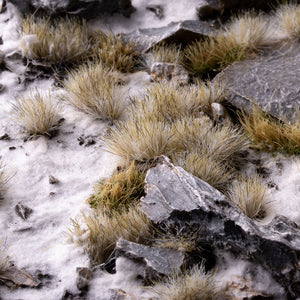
(157, 262)
(270, 80)
(175, 197)
(176, 32)
(85, 8)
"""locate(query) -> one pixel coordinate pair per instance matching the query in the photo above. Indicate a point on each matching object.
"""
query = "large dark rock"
(176, 32)
(271, 81)
(174, 196)
(156, 261)
(85, 8)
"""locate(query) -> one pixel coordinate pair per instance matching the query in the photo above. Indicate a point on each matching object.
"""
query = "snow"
(41, 242)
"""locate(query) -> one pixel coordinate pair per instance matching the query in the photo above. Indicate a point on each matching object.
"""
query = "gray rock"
(53, 180)
(157, 261)
(23, 211)
(271, 81)
(174, 196)
(157, 10)
(166, 71)
(85, 8)
(175, 32)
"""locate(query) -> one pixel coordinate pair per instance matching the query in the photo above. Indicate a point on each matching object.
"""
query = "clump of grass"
(243, 36)
(140, 139)
(288, 17)
(250, 195)
(100, 232)
(170, 101)
(37, 113)
(190, 285)
(223, 144)
(4, 177)
(58, 41)
(4, 259)
(123, 189)
(164, 53)
(270, 134)
(203, 165)
(113, 51)
(93, 89)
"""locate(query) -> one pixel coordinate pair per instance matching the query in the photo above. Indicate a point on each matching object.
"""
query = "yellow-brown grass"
(113, 51)
(58, 41)
(270, 134)
(94, 89)
(99, 233)
(123, 189)
(190, 285)
(288, 17)
(4, 177)
(170, 101)
(250, 195)
(37, 113)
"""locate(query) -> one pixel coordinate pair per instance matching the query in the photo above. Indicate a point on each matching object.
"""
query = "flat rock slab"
(175, 32)
(272, 81)
(173, 196)
(157, 261)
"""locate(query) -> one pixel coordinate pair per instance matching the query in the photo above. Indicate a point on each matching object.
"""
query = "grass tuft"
(190, 285)
(4, 259)
(270, 134)
(140, 139)
(58, 41)
(99, 233)
(123, 189)
(113, 51)
(288, 17)
(37, 113)
(250, 195)
(4, 177)
(94, 89)
(170, 101)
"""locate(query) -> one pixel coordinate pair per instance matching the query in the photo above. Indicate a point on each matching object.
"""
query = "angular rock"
(85, 8)
(14, 277)
(174, 196)
(157, 10)
(157, 261)
(271, 81)
(23, 211)
(175, 32)
(171, 72)
(53, 180)
(220, 113)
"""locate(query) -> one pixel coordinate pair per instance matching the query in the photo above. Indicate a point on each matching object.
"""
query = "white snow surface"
(41, 242)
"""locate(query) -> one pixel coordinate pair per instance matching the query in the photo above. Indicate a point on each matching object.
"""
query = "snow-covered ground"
(41, 242)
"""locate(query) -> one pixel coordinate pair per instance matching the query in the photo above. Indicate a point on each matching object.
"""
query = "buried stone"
(174, 196)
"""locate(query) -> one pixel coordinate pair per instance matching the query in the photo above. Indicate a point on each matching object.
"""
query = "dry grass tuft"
(124, 188)
(270, 134)
(164, 53)
(94, 89)
(250, 195)
(244, 35)
(170, 101)
(140, 139)
(100, 232)
(223, 144)
(113, 51)
(4, 177)
(190, 285)
(4, 259)
(56, 41)
(288, 17)
(37, 113)
(203, 165)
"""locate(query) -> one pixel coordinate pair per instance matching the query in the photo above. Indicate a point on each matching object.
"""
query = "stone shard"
(271, 81)
(23, 211)
(157, 261)
(84, 8)
(174, 196)
(176, 32)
